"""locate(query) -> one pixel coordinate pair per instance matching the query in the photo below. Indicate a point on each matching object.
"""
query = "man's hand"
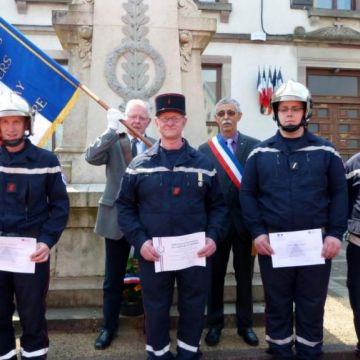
(41, 254)
(148, 251)
(331, 247)
(262, 245)
(113, 117)
(208, 249)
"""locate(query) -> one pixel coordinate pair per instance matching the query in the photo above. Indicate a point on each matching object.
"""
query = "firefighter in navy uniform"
(171, 190)
(294, 181)
(352, 167)
(33, 203)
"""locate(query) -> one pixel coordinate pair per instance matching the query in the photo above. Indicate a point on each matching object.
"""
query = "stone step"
(87, 291)
(83, 319)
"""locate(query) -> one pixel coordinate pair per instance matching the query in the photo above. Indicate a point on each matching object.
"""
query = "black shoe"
(212, 338)
(104, 339)
(249, 336)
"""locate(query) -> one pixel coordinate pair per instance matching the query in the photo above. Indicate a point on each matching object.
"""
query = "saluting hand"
(41, 254)
(148, 251)
(262, 245)
(208, 249)
(331, 247)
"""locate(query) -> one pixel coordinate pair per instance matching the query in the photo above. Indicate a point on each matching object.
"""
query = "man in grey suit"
(115, 149)
(229, 151)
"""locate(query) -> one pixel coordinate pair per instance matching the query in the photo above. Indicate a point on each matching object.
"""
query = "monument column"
(74, 29)
(195, 32)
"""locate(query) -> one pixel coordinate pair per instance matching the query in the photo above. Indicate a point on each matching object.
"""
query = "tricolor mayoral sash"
(226, 159)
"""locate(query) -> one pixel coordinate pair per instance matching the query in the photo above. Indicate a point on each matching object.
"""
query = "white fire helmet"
(11, 104)
(292, 91)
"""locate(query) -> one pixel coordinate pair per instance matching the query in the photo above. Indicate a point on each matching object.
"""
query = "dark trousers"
(306, 287)
(243, 264)
(157, 290)
(116, 256)
(30, 292)
(353, 284)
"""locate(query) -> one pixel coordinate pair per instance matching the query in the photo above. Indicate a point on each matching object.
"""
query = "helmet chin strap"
(16, 142)
(293, 128)
(13, 143)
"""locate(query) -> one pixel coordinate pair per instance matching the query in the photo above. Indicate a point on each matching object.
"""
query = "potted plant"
(131, 296)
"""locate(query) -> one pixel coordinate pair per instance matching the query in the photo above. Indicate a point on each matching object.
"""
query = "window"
(332, 85)
(216, 75)
(334, 4)
(220, 7)
(211, 76)
(328, 8)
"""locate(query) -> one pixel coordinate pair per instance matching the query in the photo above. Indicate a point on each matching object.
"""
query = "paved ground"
(73, 338)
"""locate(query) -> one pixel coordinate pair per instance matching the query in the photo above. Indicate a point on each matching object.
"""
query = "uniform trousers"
(30, 293)
(158, 290)
(306, 287)
(116, 256)
(243, 264)
(353, 284)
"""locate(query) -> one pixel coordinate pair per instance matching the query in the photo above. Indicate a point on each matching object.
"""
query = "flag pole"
(107, 107)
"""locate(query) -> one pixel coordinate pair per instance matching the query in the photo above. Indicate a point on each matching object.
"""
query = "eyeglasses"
(167, 119)
(294, 110)
(222, 113)
(134, 117)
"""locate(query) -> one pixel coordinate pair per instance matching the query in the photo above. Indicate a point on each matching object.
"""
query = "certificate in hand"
(297, 248)
(179, 252)
(15, 254)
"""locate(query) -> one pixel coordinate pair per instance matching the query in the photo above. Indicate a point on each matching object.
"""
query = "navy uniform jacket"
(303, 189)
(33, 197)
(353, 178)
(147, 205)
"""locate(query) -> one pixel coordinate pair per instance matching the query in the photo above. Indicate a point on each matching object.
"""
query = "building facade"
(205, 49)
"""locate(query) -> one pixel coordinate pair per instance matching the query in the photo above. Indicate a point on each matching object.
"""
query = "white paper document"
(179, 252)
(297, 248)
(15, 254)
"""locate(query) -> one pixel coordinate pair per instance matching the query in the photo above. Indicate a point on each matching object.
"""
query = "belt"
(354, 239)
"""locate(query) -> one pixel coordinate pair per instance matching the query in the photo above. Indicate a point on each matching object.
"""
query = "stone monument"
(119, 50)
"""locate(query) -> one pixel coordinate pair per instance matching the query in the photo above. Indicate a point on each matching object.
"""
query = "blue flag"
(46, 85)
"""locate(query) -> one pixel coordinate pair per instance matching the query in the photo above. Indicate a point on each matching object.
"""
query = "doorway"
(336, 107)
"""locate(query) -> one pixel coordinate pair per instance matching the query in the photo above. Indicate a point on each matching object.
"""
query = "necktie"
(134, 141)
(230, 143)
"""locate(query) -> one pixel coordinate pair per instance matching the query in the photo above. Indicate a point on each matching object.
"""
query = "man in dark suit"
(229, 151)
(114, 149)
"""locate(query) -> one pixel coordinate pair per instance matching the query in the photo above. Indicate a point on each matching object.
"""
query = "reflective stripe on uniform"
(280, 341)
(28, 354)
(322, 147)
(301, 340)
(306, 148)
(187, 347)
(263, 149)
(165, 169)
(25, 171)
(194, 170)
(158, 352)
(9, 355)
(352, 174)
(354, 239)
